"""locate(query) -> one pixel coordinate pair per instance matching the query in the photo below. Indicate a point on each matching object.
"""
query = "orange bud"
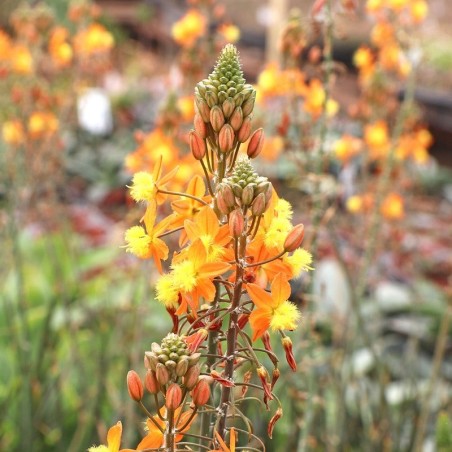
(203, 109)
(268, 346)
(173, 397)
(162, 374)
(256, 143)
(195, 340)
(228, 107)
(263, 374)
(216, 118)
(152, 385)
(236, 119)
(273, 420)
(134, 386)
(247, 195)
(200, 126)
(222, 206)
(191, 377)
(246, 379)
(201, 393)
(248, 105)
(275, 376)
(236, 223)
(259, 205)
(294, 238)
(287, 344)
(245, 130)
(197, 145)
(226, 138)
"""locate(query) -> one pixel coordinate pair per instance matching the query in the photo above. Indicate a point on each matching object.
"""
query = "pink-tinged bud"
(162, 374)
(197, 145)
(258, 206)
(200, 126)
(228, 107)
(216, 118)
(152, 385)
(201, 393)
(222, 207)
(211, 98)
(226, 138)
(294, 238)
(287, 344)
(134, 386)
(191, 377)
(268, 346)
(228, 195)
(248, 105)
(203, 109)
(248, 195)
(236, 223)
(242, 320)
(273, 420)
(236, 119)
(263, 374)
(182, 367)
(275, 377)
(256, 143)
(173, 397)
(245, 130)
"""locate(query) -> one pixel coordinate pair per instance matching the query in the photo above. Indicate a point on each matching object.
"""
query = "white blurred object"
(94, 112)
(392, 296)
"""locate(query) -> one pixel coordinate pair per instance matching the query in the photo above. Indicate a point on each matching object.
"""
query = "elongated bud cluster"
(171, 359)
(244, 188)
(224, 102)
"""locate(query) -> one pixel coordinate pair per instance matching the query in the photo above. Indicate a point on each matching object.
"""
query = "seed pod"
(228, 107)
(255, 144)
(201, 393)
(236, 119)
(294, 238)
(236, 223)
(173, 397)
(226, 138)
(216, 118)
(245, 130)
(200, 126)
(134, 386)
(152, 385)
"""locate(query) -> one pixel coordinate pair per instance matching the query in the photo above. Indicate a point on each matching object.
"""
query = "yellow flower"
(230, 33)
(191, 27)
(377, 138)
(347, 147)
(113, 441)
(418, 10)
(42, 124)
(166, 292)
(299, 261)
(392, 207)
(22, 61)
(13, 132)
(92, 40)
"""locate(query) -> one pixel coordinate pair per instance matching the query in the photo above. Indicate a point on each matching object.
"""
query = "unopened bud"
(150, 360)
(294, 238)
(211, 98)
(203, 109)
(173, 397)
(216, 118)
(162, 374)
(191, 377)
(228, 195)
(248, 105)
(236, 223)
(258, 206)
(201, 393)
(228, 107)
(275, 376)
(256, 143)
(248, 195)
(221, 205)
(197, 145)
(263, 374)
(226, 138)
(182, 367)
(134, 386)
(152, 385)
(287, 344)
(200, 126)
(236, 120)
(245, 130)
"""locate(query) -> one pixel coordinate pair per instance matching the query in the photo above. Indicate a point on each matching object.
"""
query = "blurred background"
(356, 101)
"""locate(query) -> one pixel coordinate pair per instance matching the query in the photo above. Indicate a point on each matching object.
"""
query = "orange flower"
(186, 106)
(5, 46)
(392, 207)
(315, 98)
(13, 132)
(154, 437)
(230, 33)
(92, 40)
(377, 138)
(191, 27)
(224, 447)
(272, 310)
(145, 243)
(42, 124)
(113, 441)
(347, 147)
(59, 48)
(22, 61)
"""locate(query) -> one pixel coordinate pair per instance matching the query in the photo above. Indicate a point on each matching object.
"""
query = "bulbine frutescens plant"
(238, 251)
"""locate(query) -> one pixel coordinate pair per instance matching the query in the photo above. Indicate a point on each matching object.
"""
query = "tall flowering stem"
(237, 243)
